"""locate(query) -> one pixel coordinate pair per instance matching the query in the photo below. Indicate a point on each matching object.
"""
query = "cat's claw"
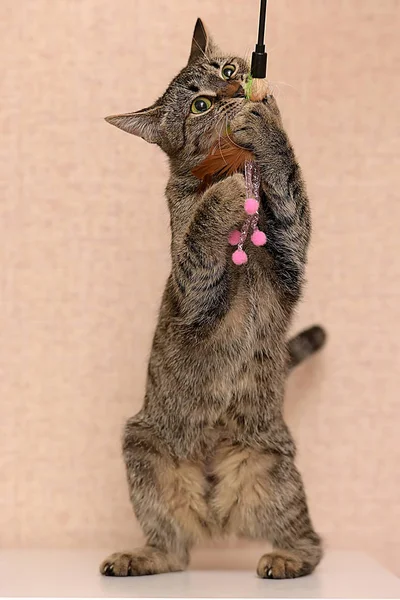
(109, 570)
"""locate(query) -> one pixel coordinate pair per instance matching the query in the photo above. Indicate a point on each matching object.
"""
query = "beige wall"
(84, 254)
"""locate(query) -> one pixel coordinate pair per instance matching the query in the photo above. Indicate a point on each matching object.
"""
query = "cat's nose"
(232, 89)
(240, 93)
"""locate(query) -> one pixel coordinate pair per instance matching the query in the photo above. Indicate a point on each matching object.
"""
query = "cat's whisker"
(247, 55)
(233, 141)
(284, 83)
(273, 86)
(220, 135)
(275, 89)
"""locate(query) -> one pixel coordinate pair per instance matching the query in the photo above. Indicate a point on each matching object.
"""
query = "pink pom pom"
(239, 257)
(234, 237)
(259, 238)
(251, 206)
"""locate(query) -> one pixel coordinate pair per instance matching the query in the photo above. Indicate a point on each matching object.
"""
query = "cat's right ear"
(144, 123)
(202, 44)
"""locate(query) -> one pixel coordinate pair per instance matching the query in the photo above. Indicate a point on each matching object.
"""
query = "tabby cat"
(209, 454)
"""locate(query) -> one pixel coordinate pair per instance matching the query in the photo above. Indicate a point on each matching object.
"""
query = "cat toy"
(251, 205)
(226, 157)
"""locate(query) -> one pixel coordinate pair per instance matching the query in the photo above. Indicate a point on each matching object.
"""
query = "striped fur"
(209, 453)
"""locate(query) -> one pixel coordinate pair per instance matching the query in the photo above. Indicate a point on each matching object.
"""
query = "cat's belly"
(255, 323)
(236, 365)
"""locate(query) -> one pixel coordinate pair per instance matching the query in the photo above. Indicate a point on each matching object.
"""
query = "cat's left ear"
(202, 43)
(144, 123)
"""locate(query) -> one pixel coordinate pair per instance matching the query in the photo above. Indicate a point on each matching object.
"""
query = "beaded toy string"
(251, 206)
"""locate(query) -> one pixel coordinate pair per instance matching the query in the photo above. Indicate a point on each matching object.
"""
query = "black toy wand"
(259, 57)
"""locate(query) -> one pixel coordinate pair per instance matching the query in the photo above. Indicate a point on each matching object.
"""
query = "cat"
(209, 453)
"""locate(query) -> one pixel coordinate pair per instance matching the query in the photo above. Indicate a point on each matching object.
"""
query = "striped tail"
(305, 344)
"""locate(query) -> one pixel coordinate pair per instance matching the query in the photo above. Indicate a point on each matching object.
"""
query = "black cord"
(261, 28)
(259, 58)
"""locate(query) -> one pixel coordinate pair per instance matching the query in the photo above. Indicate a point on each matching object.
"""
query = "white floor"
(31, 573)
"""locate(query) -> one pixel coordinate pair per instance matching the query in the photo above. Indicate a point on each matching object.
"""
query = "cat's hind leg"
(260, 495)
(168, 497)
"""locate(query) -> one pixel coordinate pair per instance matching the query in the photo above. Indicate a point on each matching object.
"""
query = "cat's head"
(197, 105)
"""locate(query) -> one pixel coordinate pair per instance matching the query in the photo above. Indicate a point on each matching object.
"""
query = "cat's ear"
(144, 123)
(202, 43)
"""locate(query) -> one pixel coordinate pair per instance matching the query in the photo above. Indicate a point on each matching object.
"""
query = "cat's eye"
(228, 71)
(201, 105)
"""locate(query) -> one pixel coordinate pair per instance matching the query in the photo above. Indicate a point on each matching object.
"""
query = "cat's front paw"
(234, 186)
(144, 561)
(257, 125)
(229, 194)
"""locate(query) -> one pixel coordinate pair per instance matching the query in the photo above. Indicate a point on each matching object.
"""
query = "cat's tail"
(304, 344)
